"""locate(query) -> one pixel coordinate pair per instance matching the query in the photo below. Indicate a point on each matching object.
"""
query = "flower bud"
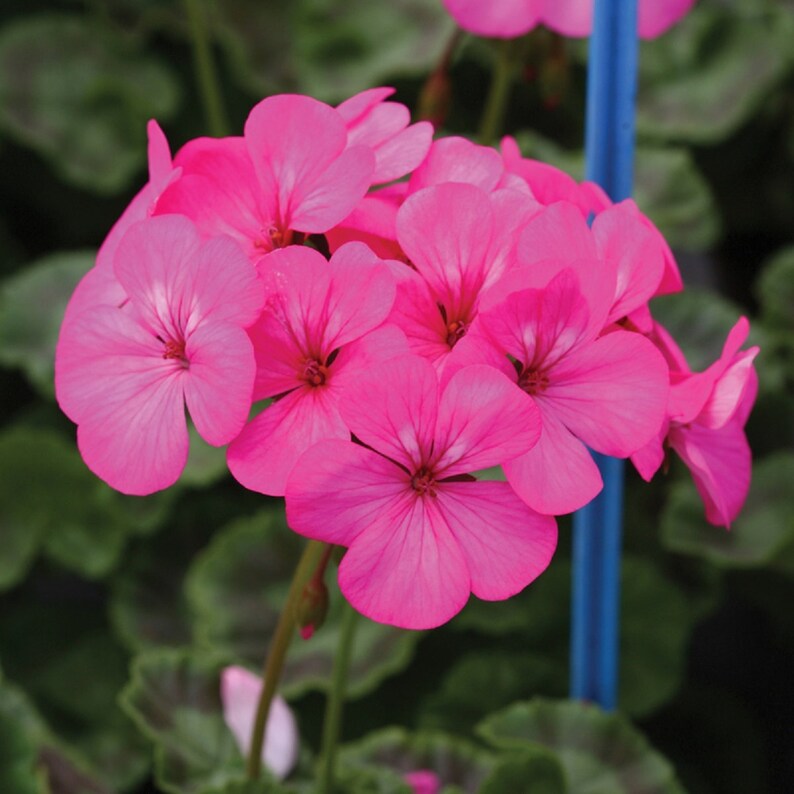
(312, 608)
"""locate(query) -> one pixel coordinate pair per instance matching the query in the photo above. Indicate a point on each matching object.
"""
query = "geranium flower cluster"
(368, 319)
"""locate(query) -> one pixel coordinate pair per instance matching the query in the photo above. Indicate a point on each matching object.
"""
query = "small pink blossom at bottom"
(423, 781)
(421, 533)
(240, 695)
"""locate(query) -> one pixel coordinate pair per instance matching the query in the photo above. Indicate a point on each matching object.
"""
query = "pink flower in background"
(607, 392)
(240, 691)
(384, 128)
(422, 534)
(316, 331)
(706, 415)
(123, 374)
(423, 781)
(292, 174)
(510, 18)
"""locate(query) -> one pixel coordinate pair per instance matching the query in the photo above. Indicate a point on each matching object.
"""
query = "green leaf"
(19, 771)
(238, 586)
(327, 49)
(656, 620)
(776, 290)
(601, 753)
(174, 698)
(205, 464)
(148, 607)
(672, 192)
(51, 500)
(710, 74)
(482, 681)
(535, 771)
(456, 761)
(80, 94)
(32, 302)
(763, 528)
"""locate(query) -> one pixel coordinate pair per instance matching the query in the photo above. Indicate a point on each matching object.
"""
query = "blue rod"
(609, 149)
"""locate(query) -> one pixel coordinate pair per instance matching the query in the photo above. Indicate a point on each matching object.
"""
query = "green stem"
(206, 76)
(498, 94)
(332, 723)
(278, 651)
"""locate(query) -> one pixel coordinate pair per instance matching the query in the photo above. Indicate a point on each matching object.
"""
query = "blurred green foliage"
(116, 613)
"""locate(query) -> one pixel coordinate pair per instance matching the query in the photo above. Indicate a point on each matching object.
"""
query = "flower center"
(315, 373)
(175, 348)
(533, 381)
(273, 237)
(423, 482)
(456, 331)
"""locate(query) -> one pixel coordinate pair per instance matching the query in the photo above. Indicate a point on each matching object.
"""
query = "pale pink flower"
(604, 392)
(706, 415)
(384, 128)
(124, 373)
(423, 781)
(421, 533)
(317, 330)
(292, 174)
(240, 691)
(510, 18)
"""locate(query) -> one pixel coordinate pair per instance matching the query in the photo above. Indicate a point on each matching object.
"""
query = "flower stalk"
(312, 555)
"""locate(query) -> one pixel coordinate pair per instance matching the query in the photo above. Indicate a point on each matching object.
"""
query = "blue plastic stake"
(611, 90)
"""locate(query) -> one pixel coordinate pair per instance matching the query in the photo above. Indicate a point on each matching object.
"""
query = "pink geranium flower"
(604, 392)
(240, 691)
(384, 128)
(421, 533)
(460, 240)
(706, 415)
(316, 332)
(510, 18)
(124, 373)
(293, 173)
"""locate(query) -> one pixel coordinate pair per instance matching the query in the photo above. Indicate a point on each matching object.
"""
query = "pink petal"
(337, 491)
(402, 153)
(240, 692)
(446, 232)
(648, 459)
(458, 160)
(377, 346)
(506, 19)
(656, 17)
(355, 110)
(558, 232)
(423, 781)
(219, 192)
(264, 453)
(720, 462)
(297, 146)
(392, 408)
(558, 474)
(539, 326)
(484, 419)
(611, 393)
(506, 544)
(569, 17)
(112, 380)
(219, 381)
(98, 287)
(622, 238)
(728, 391)
(407, 570)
